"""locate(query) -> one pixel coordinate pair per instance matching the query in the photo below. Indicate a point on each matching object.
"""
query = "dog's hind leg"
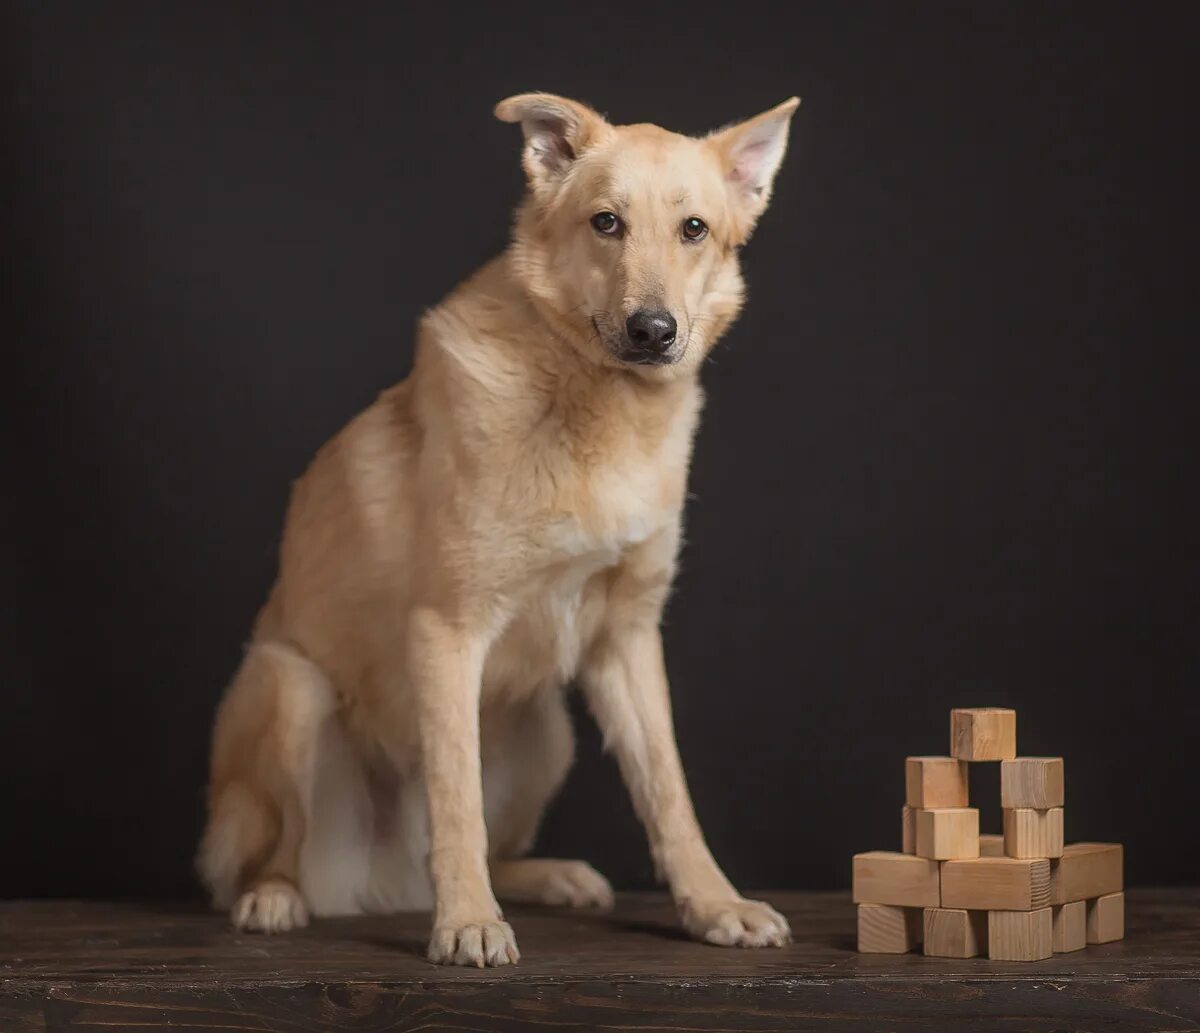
(525, 760)
(264, 748)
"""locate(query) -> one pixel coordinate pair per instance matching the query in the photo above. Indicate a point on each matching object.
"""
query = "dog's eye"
(694, 229)
(606, 223)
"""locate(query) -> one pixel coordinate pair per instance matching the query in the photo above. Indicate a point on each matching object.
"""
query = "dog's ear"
(750, 153)
(557, 131)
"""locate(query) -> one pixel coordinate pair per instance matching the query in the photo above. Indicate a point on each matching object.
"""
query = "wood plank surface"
(104, 966)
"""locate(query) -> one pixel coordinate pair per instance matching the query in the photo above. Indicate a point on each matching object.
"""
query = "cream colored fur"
(502, 521)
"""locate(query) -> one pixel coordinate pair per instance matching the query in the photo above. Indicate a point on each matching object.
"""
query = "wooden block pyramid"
(1021, 896)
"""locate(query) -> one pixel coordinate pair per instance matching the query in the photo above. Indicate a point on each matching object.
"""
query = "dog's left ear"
(557, 131)
(751, 152)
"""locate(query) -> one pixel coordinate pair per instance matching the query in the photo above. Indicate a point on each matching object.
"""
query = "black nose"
(651, 331)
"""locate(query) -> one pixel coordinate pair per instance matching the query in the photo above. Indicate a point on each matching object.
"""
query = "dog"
(503, 521)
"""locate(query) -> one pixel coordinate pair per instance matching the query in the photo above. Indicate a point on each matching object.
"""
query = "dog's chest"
(605, 492)
(549, 630)
(606, 512)
(561, 600)
(584, 494)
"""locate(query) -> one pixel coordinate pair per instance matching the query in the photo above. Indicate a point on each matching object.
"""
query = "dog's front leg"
(626, 683)
(446, 662)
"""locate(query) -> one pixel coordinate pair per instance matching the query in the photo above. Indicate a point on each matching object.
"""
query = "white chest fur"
(561, 602)
(619, 509)
(584, 491)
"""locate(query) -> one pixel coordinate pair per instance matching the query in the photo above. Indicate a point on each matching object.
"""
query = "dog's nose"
(651, 330)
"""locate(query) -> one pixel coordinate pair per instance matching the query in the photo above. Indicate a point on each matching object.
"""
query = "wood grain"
(884, 929)
(1085, 871)
(1032, 833)
(991, 844)
(1069, 927)
(996, 884)
(100, 967)
(948, 832)
(1106, 918)
(884, 877)
(983, 733)
(1020, 935)
(935, 782)
(954, 932)
(1035, 782)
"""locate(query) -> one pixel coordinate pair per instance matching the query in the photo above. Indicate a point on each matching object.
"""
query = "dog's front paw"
(474, 943)
(271, 906)
(735, 922)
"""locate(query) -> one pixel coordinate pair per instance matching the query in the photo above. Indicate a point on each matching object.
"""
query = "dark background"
(946, 457)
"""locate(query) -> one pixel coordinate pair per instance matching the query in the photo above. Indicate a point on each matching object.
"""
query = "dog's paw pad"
(474, 943)
(273, 906)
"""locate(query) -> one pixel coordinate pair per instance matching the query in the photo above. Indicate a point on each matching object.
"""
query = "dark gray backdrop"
(945, 460)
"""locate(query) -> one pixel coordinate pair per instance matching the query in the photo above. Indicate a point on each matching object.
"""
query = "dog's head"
(629, 235)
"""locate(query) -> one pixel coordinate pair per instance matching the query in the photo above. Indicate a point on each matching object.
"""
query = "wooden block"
(884, 929)
(991, 845)
(1086, 871)
(955, 933)
(985, 733)
(1069, 931)
(883, 877)
(1035, 782)
(948, 832)
(935, 782)
(1106, 918)
(1030, 833)
(1020, 935)
(908, 830)
(996, 884)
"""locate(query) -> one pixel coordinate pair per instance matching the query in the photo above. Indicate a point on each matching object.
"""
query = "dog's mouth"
(626, 352)
(640, 357)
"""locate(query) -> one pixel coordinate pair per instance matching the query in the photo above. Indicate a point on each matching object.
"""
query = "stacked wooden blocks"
(1021, 896)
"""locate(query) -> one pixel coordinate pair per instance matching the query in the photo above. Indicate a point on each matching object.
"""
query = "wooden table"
(143, 967)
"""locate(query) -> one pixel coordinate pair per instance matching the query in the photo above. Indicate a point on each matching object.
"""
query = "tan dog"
(502, 521)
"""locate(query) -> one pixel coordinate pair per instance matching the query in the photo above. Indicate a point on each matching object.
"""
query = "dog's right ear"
(557, 131)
